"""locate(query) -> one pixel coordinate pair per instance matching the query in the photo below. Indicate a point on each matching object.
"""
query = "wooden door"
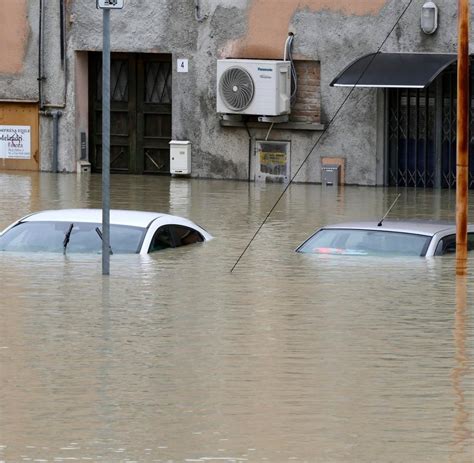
(154, 114)
(140, 120)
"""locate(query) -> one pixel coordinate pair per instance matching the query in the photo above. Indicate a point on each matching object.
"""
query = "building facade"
(164, 86)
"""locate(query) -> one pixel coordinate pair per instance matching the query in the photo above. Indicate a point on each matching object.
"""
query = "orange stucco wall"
(269, 21)
(14, 30)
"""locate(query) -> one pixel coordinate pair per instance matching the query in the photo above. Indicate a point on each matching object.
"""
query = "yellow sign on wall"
(273, 160)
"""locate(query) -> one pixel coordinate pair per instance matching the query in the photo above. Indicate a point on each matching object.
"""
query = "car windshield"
(365, 243)
(50, 237)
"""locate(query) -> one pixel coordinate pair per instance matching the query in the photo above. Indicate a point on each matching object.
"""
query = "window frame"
(470, 243)
(174, 238)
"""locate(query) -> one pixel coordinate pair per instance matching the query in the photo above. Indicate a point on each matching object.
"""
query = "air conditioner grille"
(236, 88)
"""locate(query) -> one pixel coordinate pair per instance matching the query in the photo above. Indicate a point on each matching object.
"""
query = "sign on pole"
(109, 4)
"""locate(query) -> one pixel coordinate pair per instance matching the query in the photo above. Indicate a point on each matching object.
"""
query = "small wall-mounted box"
(180, 157)
(330, 175)
(83, 167)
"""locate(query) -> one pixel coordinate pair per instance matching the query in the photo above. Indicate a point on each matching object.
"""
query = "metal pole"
(462, 137)
(106, 143)
(40, 54)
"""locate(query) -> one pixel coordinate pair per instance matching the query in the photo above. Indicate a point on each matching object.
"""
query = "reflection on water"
(463, 432)
(291, 358)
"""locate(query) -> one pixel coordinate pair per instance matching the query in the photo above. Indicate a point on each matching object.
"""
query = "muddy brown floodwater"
(290, 358)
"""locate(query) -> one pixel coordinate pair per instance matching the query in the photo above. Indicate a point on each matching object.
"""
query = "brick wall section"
(307, 107)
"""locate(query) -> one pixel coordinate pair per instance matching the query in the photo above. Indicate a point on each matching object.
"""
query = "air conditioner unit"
(257, 87)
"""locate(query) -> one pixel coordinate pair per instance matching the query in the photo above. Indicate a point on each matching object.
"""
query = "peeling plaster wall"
(334, 32)
(336, 40)
(18, 51)
(269, 23)
(13, 35)
(22, 84)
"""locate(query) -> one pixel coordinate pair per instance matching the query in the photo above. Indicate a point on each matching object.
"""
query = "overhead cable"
(321, 135)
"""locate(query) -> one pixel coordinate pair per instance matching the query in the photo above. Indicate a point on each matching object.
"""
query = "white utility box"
(180, 157)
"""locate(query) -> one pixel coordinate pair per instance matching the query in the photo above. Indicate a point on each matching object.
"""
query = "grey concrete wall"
(58, 88)
(336, 40)
(333, 35)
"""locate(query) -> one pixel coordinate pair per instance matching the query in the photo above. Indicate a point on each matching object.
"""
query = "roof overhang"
(394, 70)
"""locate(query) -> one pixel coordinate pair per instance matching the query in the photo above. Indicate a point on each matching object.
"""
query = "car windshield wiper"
(97, 229)
(67, 236)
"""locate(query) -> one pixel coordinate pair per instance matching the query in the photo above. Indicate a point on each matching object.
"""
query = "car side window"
(162, 239)
(470, 241)
(447, 245)
(185, 235)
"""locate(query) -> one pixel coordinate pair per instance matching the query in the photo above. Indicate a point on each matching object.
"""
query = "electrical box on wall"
(330, 175)
(180, 157)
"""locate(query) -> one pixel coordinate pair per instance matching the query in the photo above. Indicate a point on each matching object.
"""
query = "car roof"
(140, 219)
(419, 227)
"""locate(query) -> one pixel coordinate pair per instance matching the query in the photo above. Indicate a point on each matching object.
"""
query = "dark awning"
(394, 70)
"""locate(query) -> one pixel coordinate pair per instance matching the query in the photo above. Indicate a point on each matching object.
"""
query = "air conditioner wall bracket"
(274, 119)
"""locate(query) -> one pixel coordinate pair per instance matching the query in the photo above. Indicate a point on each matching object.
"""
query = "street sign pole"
(106, 6)
(106, 143)
(462, 137)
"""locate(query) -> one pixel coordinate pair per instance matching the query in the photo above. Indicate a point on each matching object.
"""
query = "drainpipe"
(63, 56)
(40, 55)
(62, 35)
(250, 151)
(55, 115)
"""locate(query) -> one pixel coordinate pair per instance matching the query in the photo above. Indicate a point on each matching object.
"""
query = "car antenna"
(97, 229)
(389, 209)
(66, 237)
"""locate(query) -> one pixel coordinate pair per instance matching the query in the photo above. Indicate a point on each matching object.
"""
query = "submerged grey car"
(391, 238)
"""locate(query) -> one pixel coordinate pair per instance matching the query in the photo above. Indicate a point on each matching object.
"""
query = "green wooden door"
(140, 105)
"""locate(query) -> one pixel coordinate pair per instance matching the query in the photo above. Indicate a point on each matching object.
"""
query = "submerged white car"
(391, 238)
(79, 231)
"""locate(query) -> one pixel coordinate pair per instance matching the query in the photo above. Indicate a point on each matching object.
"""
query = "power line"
(321, 136)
